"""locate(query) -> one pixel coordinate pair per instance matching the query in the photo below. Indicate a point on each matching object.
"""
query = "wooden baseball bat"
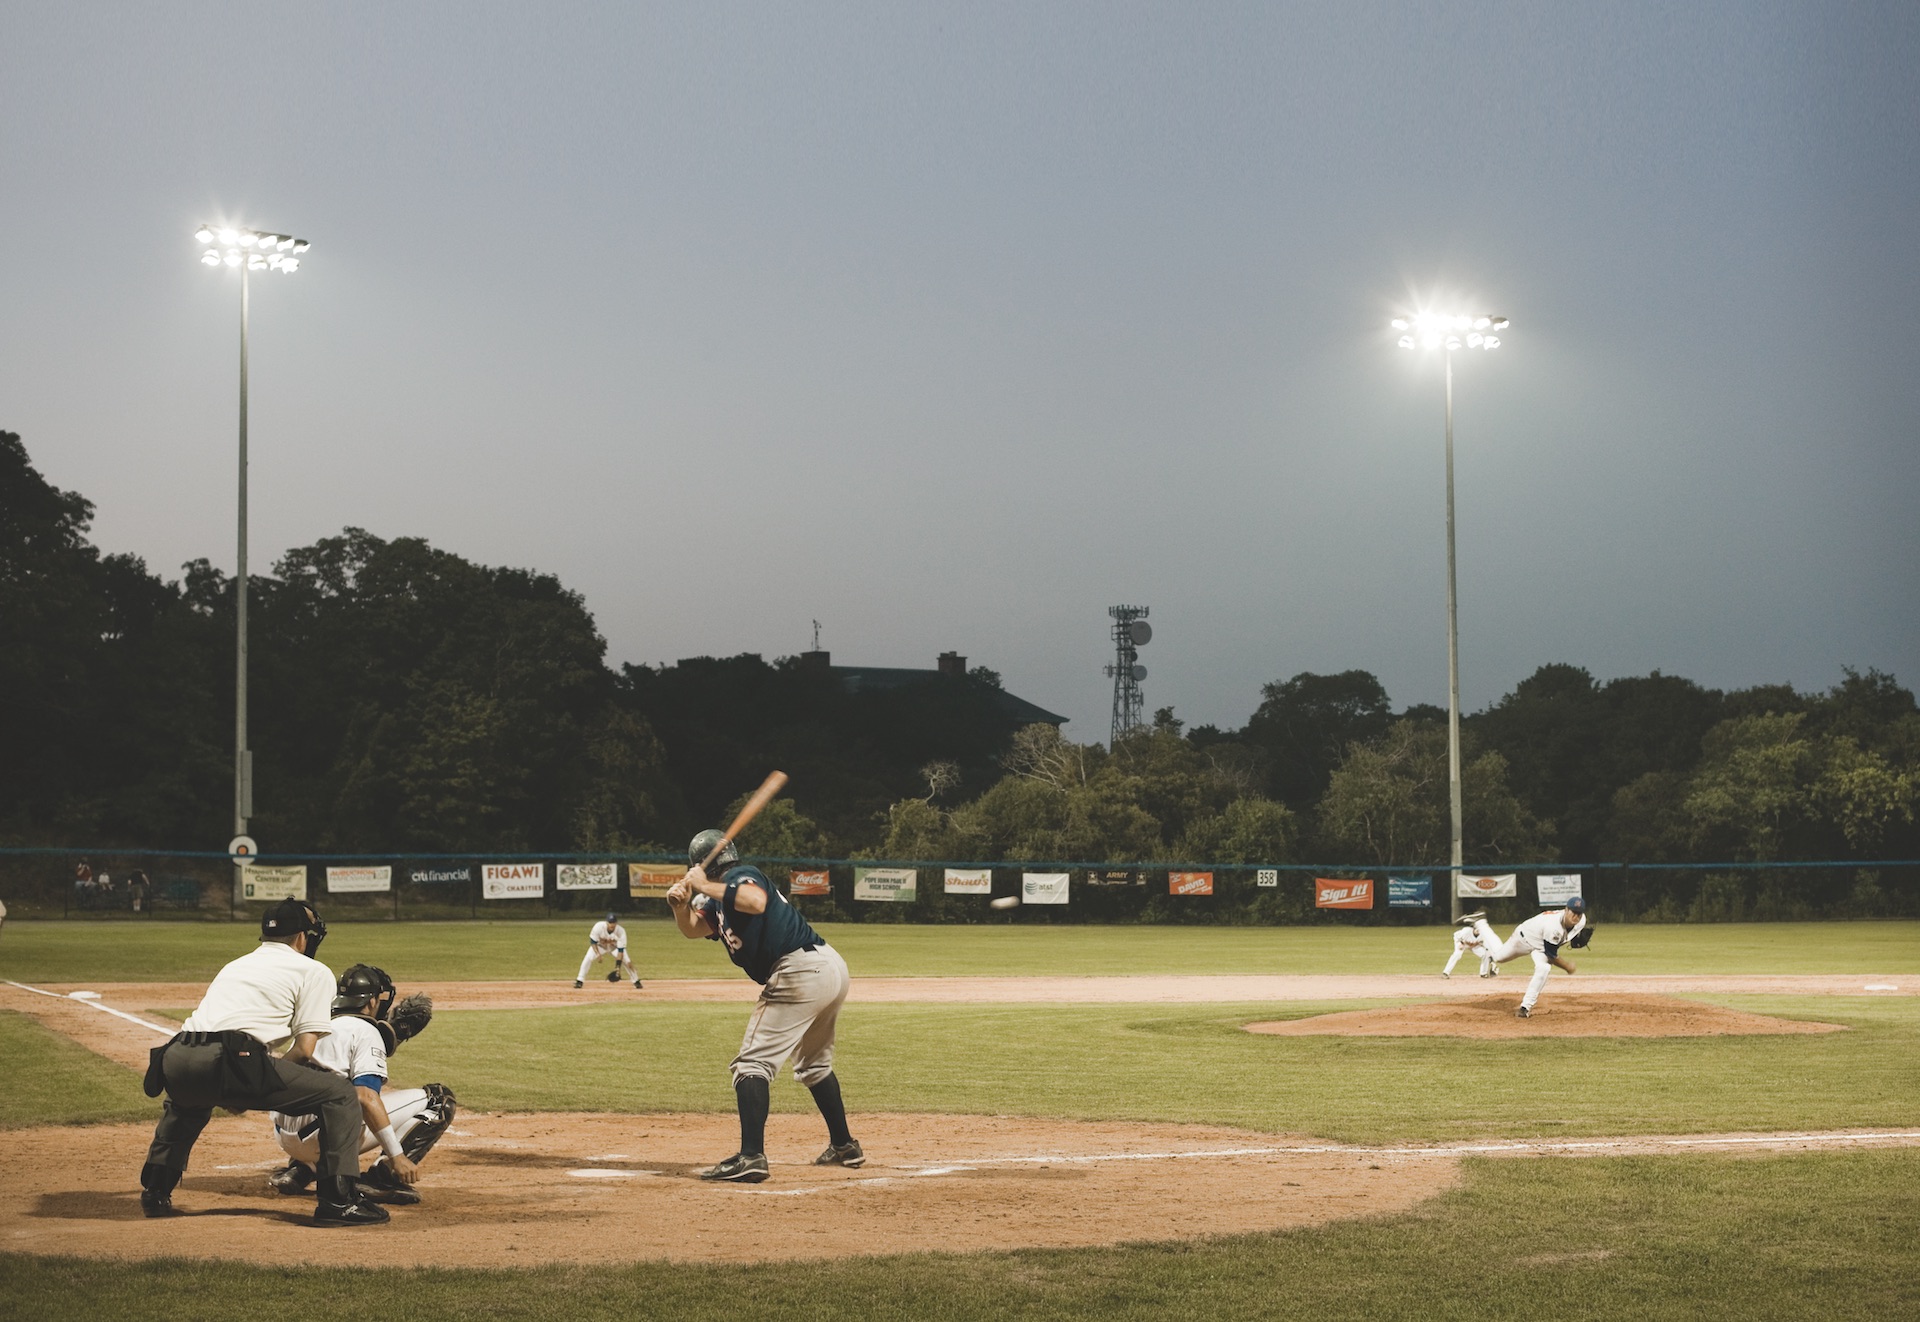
(769, 787)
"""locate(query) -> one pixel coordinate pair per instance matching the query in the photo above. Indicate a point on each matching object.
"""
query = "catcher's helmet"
(364, 987)
(704, 843)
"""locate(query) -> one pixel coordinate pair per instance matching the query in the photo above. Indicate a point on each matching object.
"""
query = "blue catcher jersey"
(755, 941)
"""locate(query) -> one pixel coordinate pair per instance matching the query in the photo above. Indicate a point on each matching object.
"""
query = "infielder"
(1468, 937)
(803, 982)
(607, 938)
(1542, 936)
(403, 1123)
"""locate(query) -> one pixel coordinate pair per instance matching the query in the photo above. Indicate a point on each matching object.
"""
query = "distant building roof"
(883, 679)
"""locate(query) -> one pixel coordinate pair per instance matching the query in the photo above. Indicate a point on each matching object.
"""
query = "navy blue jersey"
(755, 941)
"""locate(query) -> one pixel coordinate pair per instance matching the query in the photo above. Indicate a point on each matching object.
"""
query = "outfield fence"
(115, 884)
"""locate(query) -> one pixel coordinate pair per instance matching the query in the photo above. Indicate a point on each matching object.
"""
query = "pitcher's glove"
(1581, 937)
(408, 1019)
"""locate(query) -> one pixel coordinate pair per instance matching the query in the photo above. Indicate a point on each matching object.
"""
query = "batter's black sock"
(826, 1096)
(750, 1094)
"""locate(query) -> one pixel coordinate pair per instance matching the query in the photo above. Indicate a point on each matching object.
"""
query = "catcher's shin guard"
(434, 1120)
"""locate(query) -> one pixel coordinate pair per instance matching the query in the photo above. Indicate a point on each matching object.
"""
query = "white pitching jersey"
(608, 936)
(1543, 930)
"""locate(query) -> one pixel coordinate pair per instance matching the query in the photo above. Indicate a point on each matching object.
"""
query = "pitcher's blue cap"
(1577, 904)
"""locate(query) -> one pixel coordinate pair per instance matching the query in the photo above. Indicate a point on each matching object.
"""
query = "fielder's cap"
(612, 917)
(1577, 904)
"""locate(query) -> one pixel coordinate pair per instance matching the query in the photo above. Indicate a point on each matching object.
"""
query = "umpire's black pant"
(198, 1080)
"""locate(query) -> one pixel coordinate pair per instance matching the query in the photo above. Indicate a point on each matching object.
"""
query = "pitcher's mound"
(1563, 1016)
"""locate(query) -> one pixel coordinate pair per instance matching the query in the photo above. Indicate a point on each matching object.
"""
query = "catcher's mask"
(364, 989)
(703, 843)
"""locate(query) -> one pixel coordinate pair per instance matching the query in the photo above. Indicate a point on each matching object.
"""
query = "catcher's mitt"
(408, 1019)
(1581, 937)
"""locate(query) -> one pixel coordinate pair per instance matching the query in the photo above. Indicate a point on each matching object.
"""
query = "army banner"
(513, 881)
(649, 881)
(585, 876)
(1043, 888)
(812, 882)
(277, 883)
(969, 881)
(1342, 893)
(1505, 886)
(341, 881)
(1189, 883)
(886, 885)
(1557, 888)
(1116, 876)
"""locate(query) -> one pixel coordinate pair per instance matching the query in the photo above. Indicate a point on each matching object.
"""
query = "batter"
(803, 983)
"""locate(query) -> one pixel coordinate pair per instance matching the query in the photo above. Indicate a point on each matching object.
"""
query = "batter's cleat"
(379, 1183)
(1523, 1013)
(297, 1177)
(577, 984)
(343, 1204)
(848, 1154)
(156, 1190)
(1473, 917)
(739, 1169)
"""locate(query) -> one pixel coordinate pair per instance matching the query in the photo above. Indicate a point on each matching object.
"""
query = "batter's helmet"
(363, 986)
(703, 845)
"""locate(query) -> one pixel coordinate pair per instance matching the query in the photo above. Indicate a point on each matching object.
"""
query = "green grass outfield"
(1831, 1235)
(77, 951)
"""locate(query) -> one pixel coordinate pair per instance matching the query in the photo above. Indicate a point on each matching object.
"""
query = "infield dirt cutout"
(1591, 1015)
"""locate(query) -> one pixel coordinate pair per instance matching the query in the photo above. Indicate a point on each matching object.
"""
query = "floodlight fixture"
(1449, 330)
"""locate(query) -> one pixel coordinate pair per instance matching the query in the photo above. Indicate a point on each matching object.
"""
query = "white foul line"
(77, 998)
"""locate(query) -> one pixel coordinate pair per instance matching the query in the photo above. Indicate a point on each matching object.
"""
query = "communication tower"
(1130, 632)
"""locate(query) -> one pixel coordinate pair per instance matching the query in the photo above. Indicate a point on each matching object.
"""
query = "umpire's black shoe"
(739, 1169)
(156, 1189)
(343, 1204)
(297, 1177)
(848, 1154)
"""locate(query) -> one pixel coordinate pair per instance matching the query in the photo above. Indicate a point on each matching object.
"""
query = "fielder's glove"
(614, 976)
(1581, 938)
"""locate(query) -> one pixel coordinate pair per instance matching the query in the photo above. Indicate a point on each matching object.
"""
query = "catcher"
(404, 1123)
(1542, 936)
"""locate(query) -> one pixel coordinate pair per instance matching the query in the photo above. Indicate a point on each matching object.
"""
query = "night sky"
(950, 329)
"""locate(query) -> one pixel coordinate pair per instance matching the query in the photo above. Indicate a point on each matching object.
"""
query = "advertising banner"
(1189, 883)
(1409, 892)
(1116, 877)
(342, 880)
(649, 881)
(512, 881)
(1342, 894)
(585, 876)
(1043, 887)
(813, 882)
(1267, 878)
(288, 883)
(969, 881)
(886, 885)
(1505, 886)
(439, 876)
(1557, 888)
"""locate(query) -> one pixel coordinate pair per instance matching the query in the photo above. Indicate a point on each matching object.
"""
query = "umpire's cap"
(288, 919)
(703, 843)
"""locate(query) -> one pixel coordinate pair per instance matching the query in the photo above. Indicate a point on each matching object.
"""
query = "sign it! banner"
(1342, 894)
(886, 885)
(1502, 887)
(512, 881)
(1189, 883)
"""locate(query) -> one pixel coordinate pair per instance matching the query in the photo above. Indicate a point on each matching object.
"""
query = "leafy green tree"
(1304, 726)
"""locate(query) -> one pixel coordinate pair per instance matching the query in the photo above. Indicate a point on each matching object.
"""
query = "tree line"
(404, 699)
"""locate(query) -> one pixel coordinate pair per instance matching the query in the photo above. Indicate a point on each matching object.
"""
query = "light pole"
(250, 251)
(1449, 332)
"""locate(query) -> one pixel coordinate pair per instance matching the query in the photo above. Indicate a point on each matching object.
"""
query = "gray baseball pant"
(198, 1081)
(796, 1016)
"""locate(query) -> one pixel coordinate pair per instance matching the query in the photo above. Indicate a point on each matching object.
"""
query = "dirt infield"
(1573, 1016)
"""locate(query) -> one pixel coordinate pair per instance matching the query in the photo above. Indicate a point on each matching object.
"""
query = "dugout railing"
(171, 885)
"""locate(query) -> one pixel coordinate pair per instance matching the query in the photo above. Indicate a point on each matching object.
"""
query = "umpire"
(278, 994)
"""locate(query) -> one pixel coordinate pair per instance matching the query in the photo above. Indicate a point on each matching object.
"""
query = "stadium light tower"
(247, 251)
(1451, 333)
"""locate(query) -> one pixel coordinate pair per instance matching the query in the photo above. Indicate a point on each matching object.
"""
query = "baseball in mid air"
(1005, 902)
